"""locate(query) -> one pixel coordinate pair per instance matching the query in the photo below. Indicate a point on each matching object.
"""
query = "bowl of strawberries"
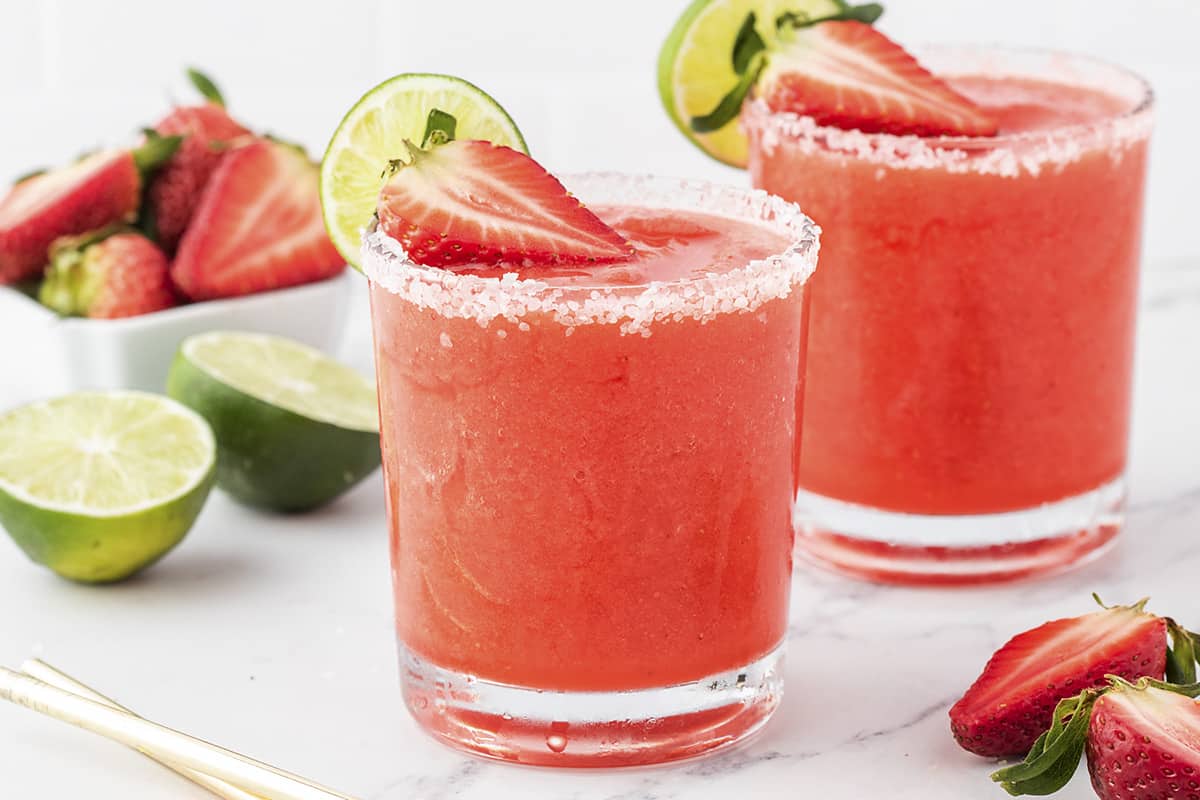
(107, 263)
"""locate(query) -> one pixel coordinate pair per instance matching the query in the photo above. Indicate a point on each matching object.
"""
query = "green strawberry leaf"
(33, 173)
(868, 13)
(155, 151)
(439, 128)
(1187, 689)
(747, 45)
(1181, 655)
(29, 287)
(731, 104)
(1056, 754)
(205, 86)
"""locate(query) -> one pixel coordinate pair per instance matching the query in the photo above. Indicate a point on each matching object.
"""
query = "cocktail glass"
(970, 362)
(589, 488)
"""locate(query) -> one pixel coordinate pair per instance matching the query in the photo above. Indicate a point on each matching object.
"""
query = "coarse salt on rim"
(1006, 155)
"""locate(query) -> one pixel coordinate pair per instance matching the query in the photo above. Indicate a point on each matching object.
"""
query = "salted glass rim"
(635, 306)
(1138, 109)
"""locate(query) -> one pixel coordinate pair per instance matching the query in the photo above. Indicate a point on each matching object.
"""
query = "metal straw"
(45, 673)
(157, 741)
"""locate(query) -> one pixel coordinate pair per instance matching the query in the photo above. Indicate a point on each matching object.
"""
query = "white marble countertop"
(272, 635)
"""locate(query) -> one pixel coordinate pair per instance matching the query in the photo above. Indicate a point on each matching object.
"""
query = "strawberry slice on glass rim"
(846, 74)
(842, 72)
(457, 202)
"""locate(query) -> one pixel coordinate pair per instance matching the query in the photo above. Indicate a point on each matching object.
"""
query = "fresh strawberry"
(1013, 700)
(208, 134)
(1123, 765)
(473, 202)
(258, 226)
(1142, 742)
(121, 275)
(846, 74)
(98, 190)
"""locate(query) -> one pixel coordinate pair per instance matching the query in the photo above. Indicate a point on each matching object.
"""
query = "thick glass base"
(591, 729)
(891, 547)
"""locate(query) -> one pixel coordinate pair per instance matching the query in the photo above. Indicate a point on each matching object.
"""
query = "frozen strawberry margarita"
(972, 345)
(589, 420)
(969, 380)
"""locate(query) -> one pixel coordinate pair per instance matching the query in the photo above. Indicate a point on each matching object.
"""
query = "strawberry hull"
(122, 276)
(99, 190)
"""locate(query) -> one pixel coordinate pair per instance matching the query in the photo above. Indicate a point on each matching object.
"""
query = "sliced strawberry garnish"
(258, 226)
(847, 74)
(473, 202)
(1012, 702)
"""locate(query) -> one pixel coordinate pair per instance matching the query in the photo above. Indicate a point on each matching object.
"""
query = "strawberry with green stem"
(208, 134)
(456, 202)
(100, 189)
(1013, 700)
(1141, 740)
(844, 73)
(110, 274)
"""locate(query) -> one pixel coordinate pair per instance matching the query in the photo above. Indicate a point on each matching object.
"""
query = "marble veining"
(273, 636)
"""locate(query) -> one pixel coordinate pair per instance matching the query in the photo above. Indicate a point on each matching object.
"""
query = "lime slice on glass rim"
(373, 132)
(294, 428)
(696, 66)
(99, 485)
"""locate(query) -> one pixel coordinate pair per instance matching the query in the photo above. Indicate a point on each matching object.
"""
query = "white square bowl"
(43, 354)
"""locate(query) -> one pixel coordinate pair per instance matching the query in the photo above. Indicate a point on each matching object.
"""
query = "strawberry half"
(258, 226)
(96, 191)
(122, 275)
(846, 74)
(1122, 765)
(1013, 701)
(473, 202)
(1142, 742)
(208, 134)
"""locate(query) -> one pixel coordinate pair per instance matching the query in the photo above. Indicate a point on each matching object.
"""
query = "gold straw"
(47, 674)
(160, 742)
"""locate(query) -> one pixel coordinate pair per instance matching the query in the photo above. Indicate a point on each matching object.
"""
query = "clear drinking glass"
(589, 488)
(971, 351)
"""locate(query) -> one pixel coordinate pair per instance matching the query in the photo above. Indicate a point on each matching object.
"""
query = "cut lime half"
(695, 65)
(98, 485)
(373, 132)
(294, 428)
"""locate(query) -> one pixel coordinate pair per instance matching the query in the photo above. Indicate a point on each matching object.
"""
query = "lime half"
(373, 133)
(98, 485)
(294, 428)
(695, 65)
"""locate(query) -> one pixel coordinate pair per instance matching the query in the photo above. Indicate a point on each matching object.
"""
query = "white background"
(579, 77)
